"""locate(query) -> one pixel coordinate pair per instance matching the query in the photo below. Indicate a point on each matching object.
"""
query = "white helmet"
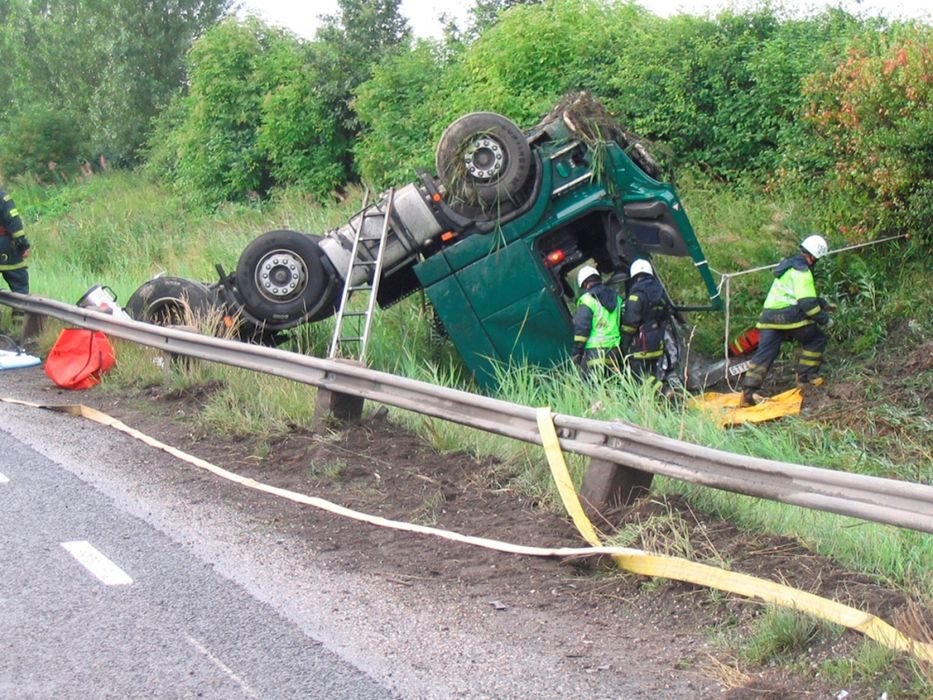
(585, 273)
(640, 267)
(815, 245)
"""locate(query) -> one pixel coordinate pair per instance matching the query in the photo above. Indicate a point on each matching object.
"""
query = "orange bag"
(79, 358)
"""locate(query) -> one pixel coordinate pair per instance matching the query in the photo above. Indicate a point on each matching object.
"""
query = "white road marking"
(4, 479)
(249, 692)
(105, 570)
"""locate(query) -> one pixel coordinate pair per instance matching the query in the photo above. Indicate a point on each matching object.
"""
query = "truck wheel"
(280, 278)
(484, 161)
(171, 301)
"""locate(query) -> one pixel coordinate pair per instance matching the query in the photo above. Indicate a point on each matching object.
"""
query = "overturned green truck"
(493, 238)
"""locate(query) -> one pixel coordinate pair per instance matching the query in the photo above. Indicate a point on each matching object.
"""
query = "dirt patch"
(378, 468)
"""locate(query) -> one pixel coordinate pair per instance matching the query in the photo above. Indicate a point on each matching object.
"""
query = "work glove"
(577, 355)
(829, 324)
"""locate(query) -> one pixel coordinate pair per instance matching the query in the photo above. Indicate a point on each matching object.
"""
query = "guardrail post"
(607, 486)
(33, 325)
(333, 406)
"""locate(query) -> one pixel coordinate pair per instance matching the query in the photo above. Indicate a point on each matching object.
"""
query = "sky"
(424, 15)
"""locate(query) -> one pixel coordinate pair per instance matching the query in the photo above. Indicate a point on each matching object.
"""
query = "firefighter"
(14, 248)
(792, 311)
(596, 325)
(643, 322)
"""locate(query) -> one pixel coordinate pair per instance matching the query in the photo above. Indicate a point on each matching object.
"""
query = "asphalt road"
(225, 603)
(95, 602)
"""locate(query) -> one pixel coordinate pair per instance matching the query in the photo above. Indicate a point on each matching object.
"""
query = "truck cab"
(493, 238)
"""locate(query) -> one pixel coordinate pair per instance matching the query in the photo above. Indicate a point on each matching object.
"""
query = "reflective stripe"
(811, 363)
(811, 353)
(647, 355)
(783, 326)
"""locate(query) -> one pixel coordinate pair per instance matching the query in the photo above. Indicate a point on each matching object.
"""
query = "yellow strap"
(568, 493)
(640, 562)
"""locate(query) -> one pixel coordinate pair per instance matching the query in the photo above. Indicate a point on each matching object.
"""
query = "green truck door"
(503, 306)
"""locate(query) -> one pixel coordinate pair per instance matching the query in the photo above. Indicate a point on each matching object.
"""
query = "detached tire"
(281, 279)
(171, 301)
(484, 161)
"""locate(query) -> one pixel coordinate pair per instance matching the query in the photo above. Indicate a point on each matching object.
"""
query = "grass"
(780, 635)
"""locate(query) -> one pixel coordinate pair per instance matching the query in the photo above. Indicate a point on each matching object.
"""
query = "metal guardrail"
(875, 499)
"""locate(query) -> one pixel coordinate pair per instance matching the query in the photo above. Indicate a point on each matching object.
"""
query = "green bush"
(39, 137)
(402, 112)
(252, 119)
(872, 132)
(724, 94)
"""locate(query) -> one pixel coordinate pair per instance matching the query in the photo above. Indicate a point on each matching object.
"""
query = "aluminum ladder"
(360, 322)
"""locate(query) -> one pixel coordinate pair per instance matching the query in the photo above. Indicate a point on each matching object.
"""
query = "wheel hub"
(281, 275)
(484, 159)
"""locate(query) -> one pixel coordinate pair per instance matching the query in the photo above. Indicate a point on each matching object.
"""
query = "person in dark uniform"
(14, 249)
(643, 322)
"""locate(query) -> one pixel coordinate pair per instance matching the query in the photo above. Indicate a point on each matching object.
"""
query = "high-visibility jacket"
(792, 301)
(13, 241)
(596, 322)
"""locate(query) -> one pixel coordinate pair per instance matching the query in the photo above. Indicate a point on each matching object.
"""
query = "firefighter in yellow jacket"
(792, 311)
(596, 322)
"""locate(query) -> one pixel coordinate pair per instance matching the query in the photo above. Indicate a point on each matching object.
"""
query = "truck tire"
(281, 279)
(484, 161)
(171, 301)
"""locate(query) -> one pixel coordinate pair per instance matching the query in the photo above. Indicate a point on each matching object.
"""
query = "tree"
(485, 13)
(871, 128)
(349, 45)
(110, 64)
(252, 118)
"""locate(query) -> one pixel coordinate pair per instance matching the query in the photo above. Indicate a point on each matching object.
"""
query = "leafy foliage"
(236, 134)
(401, 119)
(872, 129)
(38, 140)
(723, 93)
(110, 65)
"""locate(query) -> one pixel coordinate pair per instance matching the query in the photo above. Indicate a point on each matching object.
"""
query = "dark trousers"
(17, 279)
(19, 283)
(644, 369)
(601, 361)
(812, 341)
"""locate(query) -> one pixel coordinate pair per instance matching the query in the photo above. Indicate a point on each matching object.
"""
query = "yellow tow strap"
(647, 564)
